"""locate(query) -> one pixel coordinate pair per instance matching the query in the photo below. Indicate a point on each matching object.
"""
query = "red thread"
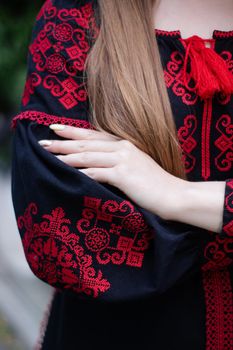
(187, 141)
(205, 138)
(207, 68)
(219, 310)
(47, 119)
(107, 232)
(32, 81)
(173, 75)
(171, 33)
(217, 284)
(222, 34)
(58, 54)
(55, 254)
(224, 159)
(228, 210)
(125, 238)
(177, 33)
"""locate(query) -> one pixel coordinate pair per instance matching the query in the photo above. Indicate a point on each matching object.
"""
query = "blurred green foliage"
(16, 21)
(8, 338)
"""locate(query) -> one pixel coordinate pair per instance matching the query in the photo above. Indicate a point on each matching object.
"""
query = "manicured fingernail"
(45, 142)
(57, 127)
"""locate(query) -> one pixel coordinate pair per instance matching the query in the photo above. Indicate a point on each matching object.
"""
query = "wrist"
(198, 203)
(175, 199)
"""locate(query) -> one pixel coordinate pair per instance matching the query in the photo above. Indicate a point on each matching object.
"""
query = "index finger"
(76, 133)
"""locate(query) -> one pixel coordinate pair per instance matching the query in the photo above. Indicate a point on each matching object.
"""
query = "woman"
(122, 173)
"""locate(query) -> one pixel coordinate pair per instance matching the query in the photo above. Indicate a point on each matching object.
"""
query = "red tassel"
(207, 68)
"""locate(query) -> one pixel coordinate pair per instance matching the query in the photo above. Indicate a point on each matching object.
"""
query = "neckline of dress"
(221, 34)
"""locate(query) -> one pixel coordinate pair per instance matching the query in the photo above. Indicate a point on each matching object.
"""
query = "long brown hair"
(126, 86)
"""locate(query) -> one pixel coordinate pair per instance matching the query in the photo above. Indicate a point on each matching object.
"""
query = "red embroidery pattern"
(228, 211)
(227, 56)
(124, 241)
(47, 119)
(32, 81)
(223, 34)
(61, 48)
(217, 283)
(55, 254)
(217, 253)
(59, 256)
(205, 139)
(219, 310)
(224, 143)
(47, 10)
(174, 79)
(172, 33)
(188, 143)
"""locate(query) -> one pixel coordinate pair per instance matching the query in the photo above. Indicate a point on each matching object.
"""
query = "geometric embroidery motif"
(108, 232)
(60, 49)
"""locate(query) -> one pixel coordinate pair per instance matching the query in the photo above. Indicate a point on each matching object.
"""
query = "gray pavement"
(23, 297)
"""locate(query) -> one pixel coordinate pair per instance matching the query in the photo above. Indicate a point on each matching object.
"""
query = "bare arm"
(200, 204)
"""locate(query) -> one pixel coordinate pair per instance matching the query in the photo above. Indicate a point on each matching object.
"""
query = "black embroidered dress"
(123, 277)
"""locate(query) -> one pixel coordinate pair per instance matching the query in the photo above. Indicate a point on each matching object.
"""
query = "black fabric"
(42, 183)
(150, 293)
(161, 323)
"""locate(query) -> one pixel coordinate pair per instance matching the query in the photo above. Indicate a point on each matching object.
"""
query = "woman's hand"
(118, 162)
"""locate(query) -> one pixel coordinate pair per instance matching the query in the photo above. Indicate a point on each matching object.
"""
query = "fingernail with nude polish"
(57, 127)
(45, 142)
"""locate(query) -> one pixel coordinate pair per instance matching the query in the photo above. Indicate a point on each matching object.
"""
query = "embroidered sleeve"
(227, 224)
(78, 234)
(217, 248)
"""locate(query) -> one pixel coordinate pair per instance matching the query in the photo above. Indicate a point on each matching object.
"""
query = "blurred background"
(23, 298)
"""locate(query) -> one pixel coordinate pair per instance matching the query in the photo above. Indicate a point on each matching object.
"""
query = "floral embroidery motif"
(174, 79)
(188, 143)
(61, 48)
(59, 256)
(55, 254)
(224, 143)
(66, 258)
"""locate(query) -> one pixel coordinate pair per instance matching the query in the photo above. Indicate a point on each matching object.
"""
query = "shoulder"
(77, 13)
(63, 33)
(67, 27)
(51, 8)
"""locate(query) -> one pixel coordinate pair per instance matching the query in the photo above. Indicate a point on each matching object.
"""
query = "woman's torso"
(198, 313)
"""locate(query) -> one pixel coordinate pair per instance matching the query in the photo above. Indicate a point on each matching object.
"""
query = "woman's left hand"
(118, 162)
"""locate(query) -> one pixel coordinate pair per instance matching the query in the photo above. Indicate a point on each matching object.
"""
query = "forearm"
(200, 204)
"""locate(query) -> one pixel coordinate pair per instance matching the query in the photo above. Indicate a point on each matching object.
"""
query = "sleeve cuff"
(227, 223)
